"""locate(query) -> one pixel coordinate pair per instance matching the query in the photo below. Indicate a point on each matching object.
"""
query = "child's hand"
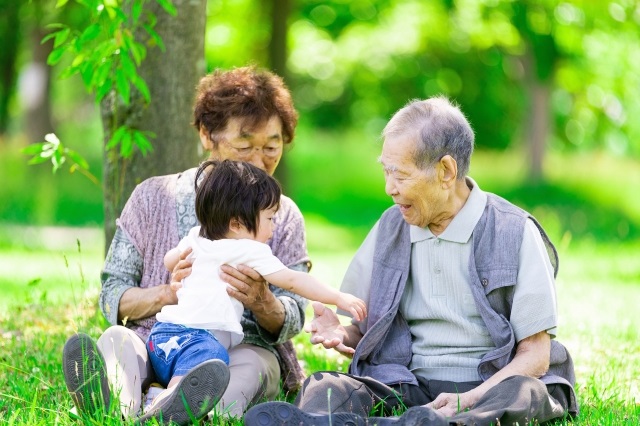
(354, 305)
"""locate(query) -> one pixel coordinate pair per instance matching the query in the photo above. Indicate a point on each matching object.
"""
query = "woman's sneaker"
(85, 375)
(193, 397)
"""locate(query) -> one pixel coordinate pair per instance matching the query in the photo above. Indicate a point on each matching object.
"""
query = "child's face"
(265, 225)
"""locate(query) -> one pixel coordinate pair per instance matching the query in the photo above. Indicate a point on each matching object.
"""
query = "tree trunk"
(540, 95)
(10, 36)
(172, 76)
(36, 89)
(538, 123)
(279, 13)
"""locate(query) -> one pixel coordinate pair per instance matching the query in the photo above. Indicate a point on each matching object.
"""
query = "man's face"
(417, 192)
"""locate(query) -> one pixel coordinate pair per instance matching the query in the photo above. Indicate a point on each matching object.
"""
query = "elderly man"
(460, 289)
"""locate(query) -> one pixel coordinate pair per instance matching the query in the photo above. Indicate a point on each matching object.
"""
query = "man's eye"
(244, 150)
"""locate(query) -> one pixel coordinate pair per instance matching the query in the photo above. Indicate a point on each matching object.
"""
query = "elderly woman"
(243, 114)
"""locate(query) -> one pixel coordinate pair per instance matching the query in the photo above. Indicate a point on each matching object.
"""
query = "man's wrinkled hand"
(450, 404)
(325, 329)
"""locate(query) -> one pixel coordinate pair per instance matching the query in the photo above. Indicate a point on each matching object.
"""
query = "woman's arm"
(121, 298)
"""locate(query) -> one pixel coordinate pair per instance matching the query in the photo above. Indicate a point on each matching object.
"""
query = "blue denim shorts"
(175, 349)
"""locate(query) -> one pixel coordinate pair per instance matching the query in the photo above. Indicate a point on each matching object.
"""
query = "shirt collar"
(463, 223)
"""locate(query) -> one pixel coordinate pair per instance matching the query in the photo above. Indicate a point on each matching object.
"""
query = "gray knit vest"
(384, 352)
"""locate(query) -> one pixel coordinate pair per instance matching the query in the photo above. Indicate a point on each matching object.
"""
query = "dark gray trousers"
(516, 399)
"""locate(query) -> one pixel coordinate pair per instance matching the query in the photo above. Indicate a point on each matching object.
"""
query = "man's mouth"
(404, 207)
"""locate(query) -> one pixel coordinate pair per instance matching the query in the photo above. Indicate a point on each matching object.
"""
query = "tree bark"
(10, 35)
(279, 13)
(171, 76)
(538, 124)
(38, 102)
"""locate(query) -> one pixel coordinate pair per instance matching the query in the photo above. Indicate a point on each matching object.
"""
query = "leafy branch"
(106, 54)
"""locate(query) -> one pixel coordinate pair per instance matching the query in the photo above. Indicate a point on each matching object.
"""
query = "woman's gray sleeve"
(122, 271)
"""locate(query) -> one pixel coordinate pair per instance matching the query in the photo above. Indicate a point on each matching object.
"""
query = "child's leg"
(176, 350)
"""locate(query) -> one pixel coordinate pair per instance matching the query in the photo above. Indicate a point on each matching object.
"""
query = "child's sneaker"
(191, 398)
(154, 390)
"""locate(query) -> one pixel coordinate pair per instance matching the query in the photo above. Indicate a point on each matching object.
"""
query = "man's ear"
(448, 171)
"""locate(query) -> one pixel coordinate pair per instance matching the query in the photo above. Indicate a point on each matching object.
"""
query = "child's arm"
(172, 258)
(307, 286)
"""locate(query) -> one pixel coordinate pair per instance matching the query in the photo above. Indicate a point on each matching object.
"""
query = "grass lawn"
(598, 296)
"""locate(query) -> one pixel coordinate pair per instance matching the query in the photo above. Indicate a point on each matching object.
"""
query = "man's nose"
(390, 187)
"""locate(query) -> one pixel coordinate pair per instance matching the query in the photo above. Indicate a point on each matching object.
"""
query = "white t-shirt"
(203, 301)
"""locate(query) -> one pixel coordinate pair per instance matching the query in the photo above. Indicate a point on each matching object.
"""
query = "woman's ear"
(205, 139)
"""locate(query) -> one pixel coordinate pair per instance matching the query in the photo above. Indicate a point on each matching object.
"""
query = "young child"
(235, 204)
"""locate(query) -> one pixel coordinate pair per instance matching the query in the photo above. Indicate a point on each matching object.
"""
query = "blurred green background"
(550, 88)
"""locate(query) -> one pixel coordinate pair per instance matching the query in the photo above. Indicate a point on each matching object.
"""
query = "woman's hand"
(181, 271)
(248, 286)
(252, 290)
(325, 329)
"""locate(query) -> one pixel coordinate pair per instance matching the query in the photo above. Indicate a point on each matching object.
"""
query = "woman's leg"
(128, 368)
(255, 376)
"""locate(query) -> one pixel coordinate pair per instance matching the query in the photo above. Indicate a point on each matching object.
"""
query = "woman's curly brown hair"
(247, 93)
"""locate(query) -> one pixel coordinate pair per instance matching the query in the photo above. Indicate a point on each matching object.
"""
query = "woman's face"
(261, 146)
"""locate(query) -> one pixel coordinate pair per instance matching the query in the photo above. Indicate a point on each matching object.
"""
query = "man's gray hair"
(440, 128)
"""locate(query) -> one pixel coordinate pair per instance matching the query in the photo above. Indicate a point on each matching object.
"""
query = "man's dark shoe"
(193, 397)
(282, 413)
(85, 375)
(414, 416)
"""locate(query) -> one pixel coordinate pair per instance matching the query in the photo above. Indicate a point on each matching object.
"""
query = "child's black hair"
(232, 190)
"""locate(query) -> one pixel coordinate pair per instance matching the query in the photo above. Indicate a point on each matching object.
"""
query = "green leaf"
(56, 55)
(61, 3)
(77, 159)
(48, 37)
(103, 90)
(141, 85)
(155, 37)
(34, 148)
(68, 72)
(55, 25)
(90, 33)
(61, 37)
(86, 72)
(168, 7)
(142, 142)
(122, 86)
(126, 145)
(116, 137)
(128, 66)
(136, 11)
(37, 160)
